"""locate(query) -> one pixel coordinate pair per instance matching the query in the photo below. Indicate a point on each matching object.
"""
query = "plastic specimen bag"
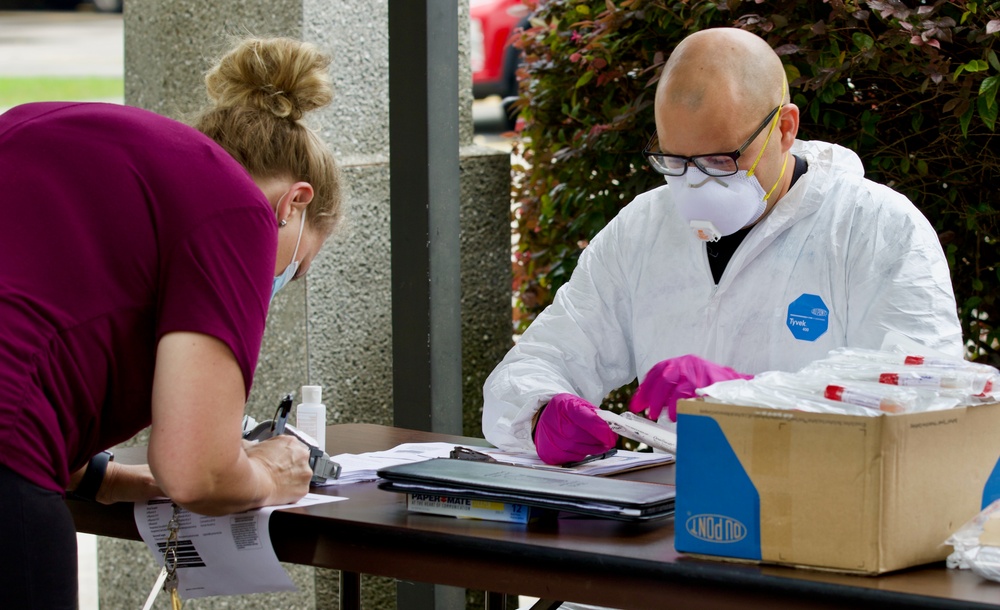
(977, 544)
(866, 382)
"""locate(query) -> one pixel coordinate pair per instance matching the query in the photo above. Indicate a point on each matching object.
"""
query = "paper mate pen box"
(849, 493)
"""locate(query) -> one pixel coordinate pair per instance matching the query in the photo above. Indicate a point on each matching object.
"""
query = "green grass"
(16, 90)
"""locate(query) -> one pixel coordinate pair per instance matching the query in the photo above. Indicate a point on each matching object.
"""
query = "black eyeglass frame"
(735, 155)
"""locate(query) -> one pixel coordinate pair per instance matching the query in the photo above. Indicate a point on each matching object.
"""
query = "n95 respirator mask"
(716, 206)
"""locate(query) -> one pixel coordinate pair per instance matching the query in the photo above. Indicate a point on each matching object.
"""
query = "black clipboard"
(565, 491)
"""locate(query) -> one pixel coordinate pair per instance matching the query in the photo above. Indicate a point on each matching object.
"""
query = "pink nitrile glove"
(676, 379)
(569, 429)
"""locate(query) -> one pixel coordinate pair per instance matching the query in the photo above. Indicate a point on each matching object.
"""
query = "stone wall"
(334, 328)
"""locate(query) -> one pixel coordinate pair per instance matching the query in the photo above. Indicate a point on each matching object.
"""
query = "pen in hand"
(281, 415)
(471, 455)
(591, 458)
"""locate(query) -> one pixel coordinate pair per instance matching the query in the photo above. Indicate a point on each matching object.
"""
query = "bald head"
(722, 68)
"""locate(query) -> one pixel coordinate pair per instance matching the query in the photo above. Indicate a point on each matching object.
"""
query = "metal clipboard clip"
(322, 466)
(470, 455)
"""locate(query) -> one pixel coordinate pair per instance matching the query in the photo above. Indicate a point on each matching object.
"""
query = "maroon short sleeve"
(121, 226)
(211, 283)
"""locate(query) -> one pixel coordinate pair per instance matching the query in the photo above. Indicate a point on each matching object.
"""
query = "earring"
(282, 223)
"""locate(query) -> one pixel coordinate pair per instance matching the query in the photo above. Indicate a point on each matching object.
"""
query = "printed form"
(364, 466)
(227, 555)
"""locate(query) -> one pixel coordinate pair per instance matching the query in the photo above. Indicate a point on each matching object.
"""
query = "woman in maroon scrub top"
(138, 257)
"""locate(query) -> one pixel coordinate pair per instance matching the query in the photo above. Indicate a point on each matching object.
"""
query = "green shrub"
(912, 90)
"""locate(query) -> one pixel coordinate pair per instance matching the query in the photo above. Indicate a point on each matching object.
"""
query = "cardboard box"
(840, 492)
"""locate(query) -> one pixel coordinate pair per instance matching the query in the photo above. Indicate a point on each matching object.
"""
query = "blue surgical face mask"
(286, 276)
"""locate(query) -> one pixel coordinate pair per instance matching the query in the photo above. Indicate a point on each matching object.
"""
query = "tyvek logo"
(716, 528)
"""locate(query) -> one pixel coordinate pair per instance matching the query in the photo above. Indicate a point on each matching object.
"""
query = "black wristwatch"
(93, 476)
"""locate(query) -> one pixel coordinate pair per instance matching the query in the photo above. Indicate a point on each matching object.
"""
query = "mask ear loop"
(774, 123)
(784, 163)
(302, 226)
(780, 176)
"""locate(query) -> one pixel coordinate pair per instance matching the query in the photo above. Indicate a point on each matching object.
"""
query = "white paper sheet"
(356, 467)
(227, 555)
(621, 461)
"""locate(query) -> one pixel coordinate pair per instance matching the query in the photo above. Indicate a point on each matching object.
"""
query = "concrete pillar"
(334, 328)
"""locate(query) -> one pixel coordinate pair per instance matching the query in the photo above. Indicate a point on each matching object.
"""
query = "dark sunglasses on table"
(715, 164)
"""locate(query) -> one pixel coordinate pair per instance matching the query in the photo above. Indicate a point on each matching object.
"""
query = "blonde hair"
(261, 89)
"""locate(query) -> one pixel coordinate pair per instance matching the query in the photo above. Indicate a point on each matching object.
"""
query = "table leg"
(496, 601)
(350, 591)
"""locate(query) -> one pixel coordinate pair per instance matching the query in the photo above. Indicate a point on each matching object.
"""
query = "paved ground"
(34, 43)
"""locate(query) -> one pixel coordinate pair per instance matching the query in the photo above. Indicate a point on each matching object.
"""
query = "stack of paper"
(356, 467)
(364, 466)
(621, 461)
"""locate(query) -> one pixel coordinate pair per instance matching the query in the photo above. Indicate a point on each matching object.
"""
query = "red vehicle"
(494, 60)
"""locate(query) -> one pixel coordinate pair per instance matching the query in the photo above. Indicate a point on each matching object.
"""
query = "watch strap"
(93, 476)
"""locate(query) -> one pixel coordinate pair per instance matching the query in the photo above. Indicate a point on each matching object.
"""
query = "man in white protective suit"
(763, 258)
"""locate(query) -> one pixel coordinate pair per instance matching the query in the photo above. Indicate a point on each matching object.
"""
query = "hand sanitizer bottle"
(310, 415)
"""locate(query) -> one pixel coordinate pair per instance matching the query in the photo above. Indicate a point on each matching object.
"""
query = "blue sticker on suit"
(808, 317)
(718, 507)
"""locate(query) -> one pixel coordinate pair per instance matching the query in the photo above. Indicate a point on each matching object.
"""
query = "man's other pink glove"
(569, 429)
(675, 379)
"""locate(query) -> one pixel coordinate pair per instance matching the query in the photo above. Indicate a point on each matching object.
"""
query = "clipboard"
(563, 491)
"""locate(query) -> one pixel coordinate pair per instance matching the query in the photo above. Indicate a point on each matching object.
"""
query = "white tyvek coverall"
(643, 292)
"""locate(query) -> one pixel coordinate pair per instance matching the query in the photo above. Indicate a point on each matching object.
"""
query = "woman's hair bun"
(282, 76)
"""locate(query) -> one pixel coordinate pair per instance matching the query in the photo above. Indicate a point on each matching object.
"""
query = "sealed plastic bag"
(977, 544)
(825, 392)
(855, 381)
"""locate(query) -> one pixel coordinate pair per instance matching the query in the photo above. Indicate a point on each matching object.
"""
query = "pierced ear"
(283, 209)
